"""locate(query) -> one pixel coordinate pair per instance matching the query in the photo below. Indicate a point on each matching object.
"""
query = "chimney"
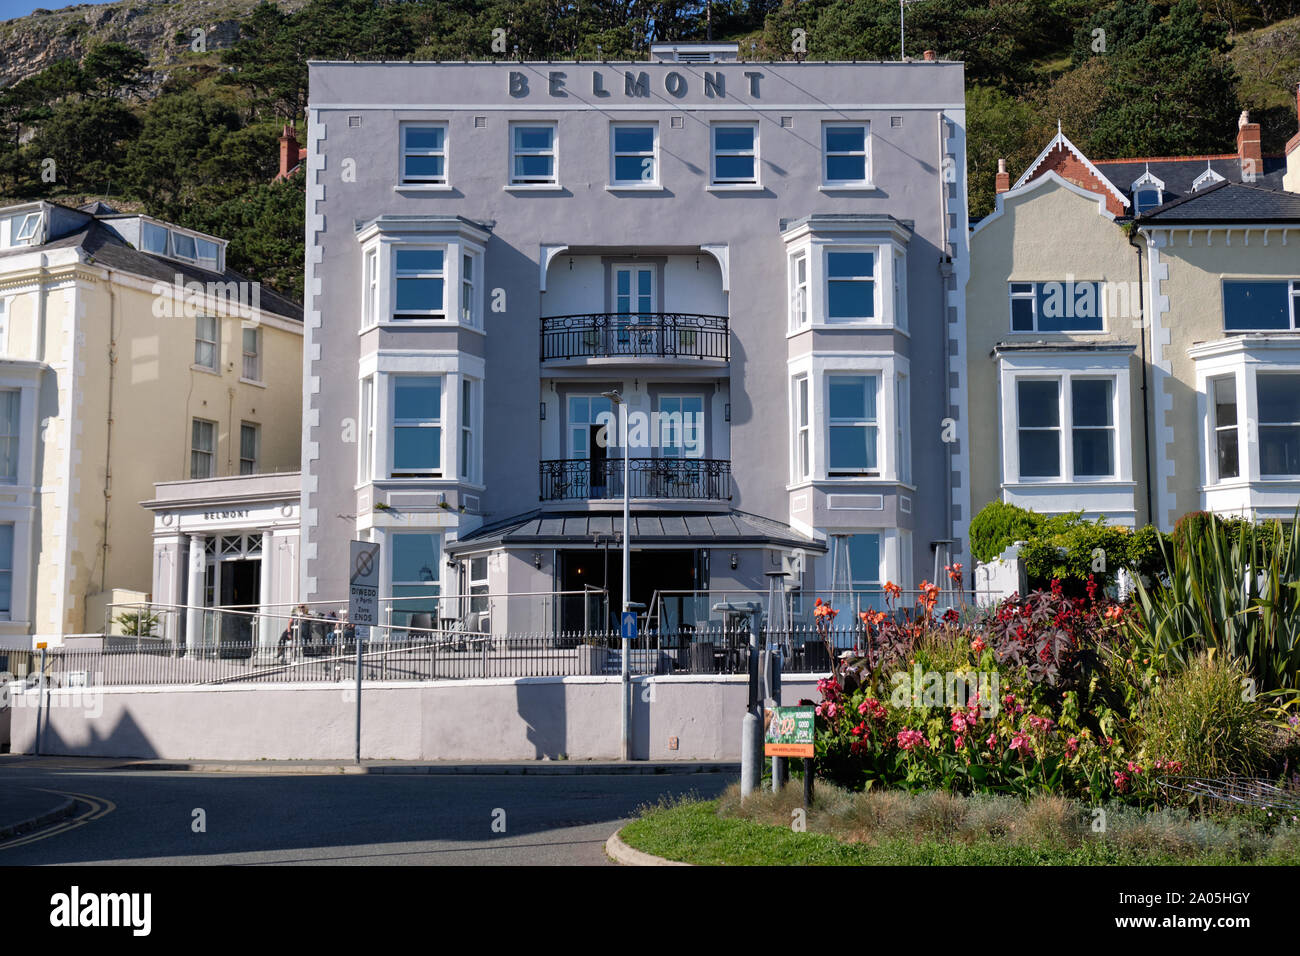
(1003, 180)
(1249, 151)
(929, 56)
(288, 150)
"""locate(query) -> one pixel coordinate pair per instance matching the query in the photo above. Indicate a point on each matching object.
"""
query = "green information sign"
(788, 731)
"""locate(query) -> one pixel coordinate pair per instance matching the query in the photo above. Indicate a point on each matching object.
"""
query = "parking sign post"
(363, 605)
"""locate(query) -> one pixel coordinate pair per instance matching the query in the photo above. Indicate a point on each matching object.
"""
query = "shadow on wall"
(124, 739)
(542, 709)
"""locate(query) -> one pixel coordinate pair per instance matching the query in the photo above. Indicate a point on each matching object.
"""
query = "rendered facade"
(129, 354)
(1133, 324)
(765, 262)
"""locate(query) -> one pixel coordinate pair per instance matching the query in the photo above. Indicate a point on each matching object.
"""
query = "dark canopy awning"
(684, 529)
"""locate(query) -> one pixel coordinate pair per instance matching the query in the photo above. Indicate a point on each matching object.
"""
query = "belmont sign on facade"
(634, 83)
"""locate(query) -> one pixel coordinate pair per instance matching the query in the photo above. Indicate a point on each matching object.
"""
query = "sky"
(20, 8)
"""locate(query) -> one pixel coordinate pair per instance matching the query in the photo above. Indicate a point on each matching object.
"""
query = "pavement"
(431, 767)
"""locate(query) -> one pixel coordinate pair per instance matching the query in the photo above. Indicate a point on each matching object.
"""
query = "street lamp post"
(617, 400)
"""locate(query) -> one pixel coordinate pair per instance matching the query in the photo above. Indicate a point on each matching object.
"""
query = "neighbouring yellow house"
(129, 355)
(1134, 335)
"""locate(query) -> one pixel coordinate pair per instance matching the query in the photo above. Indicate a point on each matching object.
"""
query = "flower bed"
(1036, 695)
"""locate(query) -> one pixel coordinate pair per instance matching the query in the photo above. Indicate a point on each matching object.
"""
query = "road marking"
(99, 807)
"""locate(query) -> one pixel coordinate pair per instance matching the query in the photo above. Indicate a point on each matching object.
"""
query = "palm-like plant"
(1240, 598)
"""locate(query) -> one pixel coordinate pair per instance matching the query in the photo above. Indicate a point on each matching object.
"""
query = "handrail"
(614, 334)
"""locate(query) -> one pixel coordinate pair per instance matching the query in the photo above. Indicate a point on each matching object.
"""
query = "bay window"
(1042, 420)
(850, 286)
(1227, 453)
(418, 283)
(852, 424)
(1261, 305)
(416, 436)
(414, 576)
(1278, 396)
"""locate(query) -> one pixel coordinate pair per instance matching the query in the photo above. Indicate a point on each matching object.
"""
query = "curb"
(621, 853)
(61, 812)
(541, 770)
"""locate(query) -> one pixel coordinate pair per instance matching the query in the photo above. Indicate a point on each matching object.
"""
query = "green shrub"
(1206, 719)
(999, 525)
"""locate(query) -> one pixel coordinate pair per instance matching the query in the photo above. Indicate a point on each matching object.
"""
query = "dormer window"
(175, 244)
(1207, 178)
(1148, 192)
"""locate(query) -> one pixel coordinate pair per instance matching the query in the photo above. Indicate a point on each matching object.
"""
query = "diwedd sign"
(363, 595)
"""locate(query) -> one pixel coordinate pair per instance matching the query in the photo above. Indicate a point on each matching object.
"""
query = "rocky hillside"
(162, 30)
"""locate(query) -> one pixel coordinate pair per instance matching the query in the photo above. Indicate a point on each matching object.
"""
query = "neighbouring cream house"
(129, 355)
(1108, 300)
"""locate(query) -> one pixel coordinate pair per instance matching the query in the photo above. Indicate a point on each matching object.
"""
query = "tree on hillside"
(1174, 91)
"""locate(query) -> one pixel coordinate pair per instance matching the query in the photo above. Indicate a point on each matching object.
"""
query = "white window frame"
(12, 434)
(652, 155)
(532, 182)
(370, 288)
(1109, 494)
(27, 232)
(438, 314)
(1068, 284)
(251, 362)
(714, 153)
(395, 423)
(253, 463)
(1112, 428)
(1261, 424)
(366, 404)
(468, 287)
(7, 570)
(214, 342)
(800, 313)
(903, 425)
(877, 305)
(871, 425)
(865, 153)
(404, 151)
(1217, 430)
(211, 452)
(801, 415)
(1293, 303)
(468, 468)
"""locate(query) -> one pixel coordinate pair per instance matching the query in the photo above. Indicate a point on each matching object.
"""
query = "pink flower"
(1134, 768)
(958, 742)
(873, 707)
(992, 742)
(1072, 746)
(1121, 781)
(1020, 741)
(911, 739)
(832, 710)
(1040, 725)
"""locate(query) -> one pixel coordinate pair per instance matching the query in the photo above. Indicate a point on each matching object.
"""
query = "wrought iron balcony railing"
(706, 479)
(636, 334)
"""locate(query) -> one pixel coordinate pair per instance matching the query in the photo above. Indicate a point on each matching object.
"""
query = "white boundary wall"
(472, 720)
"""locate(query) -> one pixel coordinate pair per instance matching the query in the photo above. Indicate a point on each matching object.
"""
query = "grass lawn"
(941, 829)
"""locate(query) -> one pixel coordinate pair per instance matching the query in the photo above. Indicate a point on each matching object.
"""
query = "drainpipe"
(1146, 431)
(108, 427)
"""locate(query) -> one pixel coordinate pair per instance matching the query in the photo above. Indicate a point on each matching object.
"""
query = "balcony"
(641, 335)
(697, 479)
